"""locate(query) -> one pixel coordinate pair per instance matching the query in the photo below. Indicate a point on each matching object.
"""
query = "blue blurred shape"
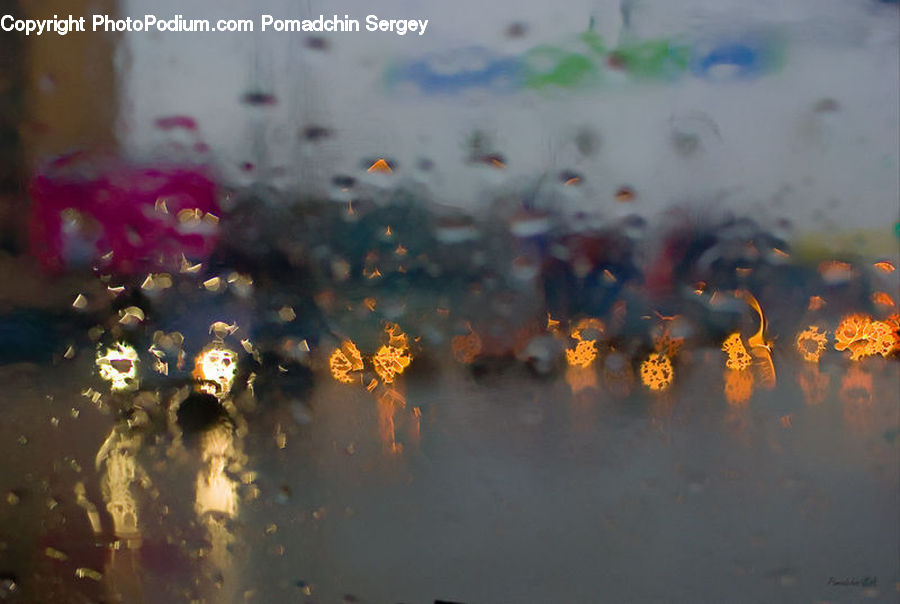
(470, 68)
(744, 59)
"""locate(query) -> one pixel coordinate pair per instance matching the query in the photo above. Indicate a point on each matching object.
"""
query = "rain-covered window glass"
(593, 301)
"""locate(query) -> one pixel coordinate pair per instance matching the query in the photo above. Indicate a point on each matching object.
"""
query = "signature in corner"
(853, 581)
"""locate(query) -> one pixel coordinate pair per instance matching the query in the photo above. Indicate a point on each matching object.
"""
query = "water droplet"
(587, 141)
(826, 105)
(625, 194)
(342, 181)
(516, 30)
(258, 98)
(317, 43)
(315, 133)
(570, 178)
(379, 166)
(8, 586)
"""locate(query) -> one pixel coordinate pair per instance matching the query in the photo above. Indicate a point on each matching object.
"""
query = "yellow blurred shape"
(864, 337)
(215, 369)
(88, 573)
(54, 553)
(118, 366)
(131, 315)
(552, 324)
(588, 324)
(396, 337)
(657, 372)
(345, 361)
(390, 361)
(583, 354)
(220, 329)
(760, 348)
(190, 215)
(738, 357)
(216, 491)
(882, 338)
(757, 340)
(811, 343)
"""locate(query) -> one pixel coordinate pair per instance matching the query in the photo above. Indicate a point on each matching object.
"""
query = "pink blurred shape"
(172, 122)
(129, 210)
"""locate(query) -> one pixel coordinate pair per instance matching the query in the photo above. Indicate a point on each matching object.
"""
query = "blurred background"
(362, 317)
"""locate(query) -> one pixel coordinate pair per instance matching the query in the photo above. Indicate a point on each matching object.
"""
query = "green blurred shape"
(566, 69)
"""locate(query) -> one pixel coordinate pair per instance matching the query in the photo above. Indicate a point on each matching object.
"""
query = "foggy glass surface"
(581, 302)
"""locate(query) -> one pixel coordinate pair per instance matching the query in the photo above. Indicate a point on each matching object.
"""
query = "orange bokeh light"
(738, 357)
(811, 343)
(345, 363)
(657, 372)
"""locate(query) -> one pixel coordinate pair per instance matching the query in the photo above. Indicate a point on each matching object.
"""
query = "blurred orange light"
(816, 303)
(883, 298)
(760, 348)
(811, 343)
(885, 267)
(657, 372)
(394, 357)
(552, 324)
(345, 361)
(390, 362)
(738, 358)
(380, 167)
(849, 334)
(583, 354)
(864, 337)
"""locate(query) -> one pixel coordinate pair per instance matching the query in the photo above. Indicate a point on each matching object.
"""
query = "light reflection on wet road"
(509, 489)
